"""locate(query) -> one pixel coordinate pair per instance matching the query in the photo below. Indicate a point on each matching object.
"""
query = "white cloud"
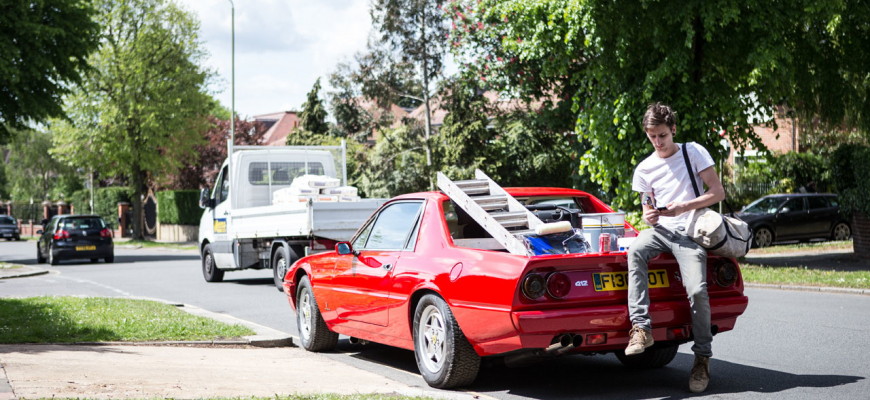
(282, 47)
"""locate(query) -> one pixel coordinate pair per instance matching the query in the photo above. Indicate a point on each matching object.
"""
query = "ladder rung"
(504, 216)
(522, 232)
(490, 203)
(514, 223)
(474, 186)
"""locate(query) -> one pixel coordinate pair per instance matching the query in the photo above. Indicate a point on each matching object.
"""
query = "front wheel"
(444, 356)
(313, 332)
(653, 357)
(39, 258)
(763, 238)
(210, 271)
(841, 231)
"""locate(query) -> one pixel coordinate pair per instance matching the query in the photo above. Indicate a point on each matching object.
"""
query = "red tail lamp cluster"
(725, 274)
(61, 235)
(105, 233)
(557, 285)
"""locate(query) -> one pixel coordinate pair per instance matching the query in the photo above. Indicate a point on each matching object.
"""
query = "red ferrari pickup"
(421, 275)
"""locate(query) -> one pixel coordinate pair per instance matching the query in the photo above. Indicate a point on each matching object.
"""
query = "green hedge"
(179, 207)
(105, 202)
(850, 170)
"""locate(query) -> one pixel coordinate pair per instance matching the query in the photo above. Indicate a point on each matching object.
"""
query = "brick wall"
(784, 143)
(861, 235)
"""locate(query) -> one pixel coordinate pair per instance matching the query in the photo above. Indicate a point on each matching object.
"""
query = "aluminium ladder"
(488, 204)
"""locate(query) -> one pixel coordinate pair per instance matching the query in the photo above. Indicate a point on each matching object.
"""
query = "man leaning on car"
(668, 199)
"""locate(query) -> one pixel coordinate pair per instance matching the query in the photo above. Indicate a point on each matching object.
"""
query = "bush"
(80, 200)
(802, 170)
(180, 207)
(106, 203)
(850, 172)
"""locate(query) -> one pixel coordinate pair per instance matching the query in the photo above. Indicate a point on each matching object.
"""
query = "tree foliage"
(202, 171)
(44, 44)
(34, 173)
(313, 115)
(143, 108)
(723, 65)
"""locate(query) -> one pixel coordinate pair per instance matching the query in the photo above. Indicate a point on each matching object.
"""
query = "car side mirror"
(205, 200)
(343, 248)
(784, 210)
(39, 231)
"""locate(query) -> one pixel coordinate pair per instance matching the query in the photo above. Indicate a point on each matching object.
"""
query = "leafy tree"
(34, 173)
(723, 65)
(415, 29)
(143, 109)
(44, 45)
(396, 164)
(202, 172)
(313, 116)
(464, 140)
(4, 192)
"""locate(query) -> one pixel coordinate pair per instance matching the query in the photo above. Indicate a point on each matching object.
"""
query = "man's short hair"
(657, 114)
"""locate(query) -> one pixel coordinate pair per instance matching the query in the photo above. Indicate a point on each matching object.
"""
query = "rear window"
(817, 202)
(283, 173)
(82, 223)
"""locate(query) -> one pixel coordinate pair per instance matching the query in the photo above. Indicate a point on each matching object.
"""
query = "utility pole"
(233, 74)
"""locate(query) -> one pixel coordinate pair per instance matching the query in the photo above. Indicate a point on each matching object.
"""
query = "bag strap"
(691, 172)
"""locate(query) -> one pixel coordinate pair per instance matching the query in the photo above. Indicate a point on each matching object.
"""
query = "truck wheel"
(210, 271)
(284, 257)
(444, 356)
(653, 357)
(313, 332)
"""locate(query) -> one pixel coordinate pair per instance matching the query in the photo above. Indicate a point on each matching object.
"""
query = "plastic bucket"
(596, 224)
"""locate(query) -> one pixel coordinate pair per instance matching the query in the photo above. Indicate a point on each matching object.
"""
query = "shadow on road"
(831, 261)
(604, 377)
(119, 259)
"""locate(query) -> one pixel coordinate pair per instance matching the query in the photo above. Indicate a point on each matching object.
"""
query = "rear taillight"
(725, 274)
(558, 285)
(105, 233)
(61, 235)
(534, 286)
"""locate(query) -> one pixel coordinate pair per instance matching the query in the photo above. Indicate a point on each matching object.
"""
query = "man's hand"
(651, 216)
(675, 208)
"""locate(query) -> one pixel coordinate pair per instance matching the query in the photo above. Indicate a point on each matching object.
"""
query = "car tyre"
(39, 258)
(841, 231)
(653, 357)
(210, 271)
(762, 237)
(110, 259)
(444, 356)
(313, 332)
(95, 260)
(51, 257)
(284, 257)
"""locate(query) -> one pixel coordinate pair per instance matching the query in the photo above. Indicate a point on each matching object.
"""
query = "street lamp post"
(233, 74)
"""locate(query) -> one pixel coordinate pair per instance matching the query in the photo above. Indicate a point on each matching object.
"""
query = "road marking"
(87, 281)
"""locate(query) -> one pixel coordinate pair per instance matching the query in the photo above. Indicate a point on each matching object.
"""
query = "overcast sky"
(282, 47)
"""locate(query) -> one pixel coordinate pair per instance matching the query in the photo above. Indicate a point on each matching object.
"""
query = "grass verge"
(94, 319)
(804, 247)
(755, 273)
(150, 244)
(4, 265)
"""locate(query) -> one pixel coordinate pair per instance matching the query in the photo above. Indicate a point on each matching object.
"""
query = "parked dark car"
(9, 228)
(783, 217)
(68, 237)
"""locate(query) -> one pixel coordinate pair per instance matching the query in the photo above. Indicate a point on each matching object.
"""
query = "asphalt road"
(795, 345)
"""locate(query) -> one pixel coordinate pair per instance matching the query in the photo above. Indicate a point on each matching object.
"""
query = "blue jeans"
(692, 259)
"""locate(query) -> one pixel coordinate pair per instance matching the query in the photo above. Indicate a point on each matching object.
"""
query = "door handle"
(387, 266)
(226, 213)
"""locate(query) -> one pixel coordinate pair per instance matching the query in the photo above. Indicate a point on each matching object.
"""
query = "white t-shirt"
(668, 181)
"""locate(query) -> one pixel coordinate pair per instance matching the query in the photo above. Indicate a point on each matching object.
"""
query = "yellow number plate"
(83, 248)
(606, 281)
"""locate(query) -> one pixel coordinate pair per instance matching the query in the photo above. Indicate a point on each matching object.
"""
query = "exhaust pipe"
(354, 340)
(564, 343)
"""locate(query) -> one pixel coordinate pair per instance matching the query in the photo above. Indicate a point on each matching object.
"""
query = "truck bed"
(336, 221)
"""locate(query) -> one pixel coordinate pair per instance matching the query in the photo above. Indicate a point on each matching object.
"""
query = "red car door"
(361, 281)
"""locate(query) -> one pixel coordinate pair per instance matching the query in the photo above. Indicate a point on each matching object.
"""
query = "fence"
(742, 193)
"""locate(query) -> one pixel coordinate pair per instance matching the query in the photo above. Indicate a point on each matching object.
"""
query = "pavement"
(265, 364)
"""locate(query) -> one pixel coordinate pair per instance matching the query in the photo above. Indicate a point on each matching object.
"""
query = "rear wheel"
(210, 271)
(841, 231)
(52, 259)
(280, 264)
(763, 237)
(444, 356)
(313, 332)
(110, 259)
(94, 260)
(653, 357)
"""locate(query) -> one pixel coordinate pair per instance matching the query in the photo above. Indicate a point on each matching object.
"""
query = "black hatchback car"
(9, 228)
(68, 237)
(784, 217)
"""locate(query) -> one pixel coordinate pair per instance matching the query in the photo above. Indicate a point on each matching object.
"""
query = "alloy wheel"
(842, 232)
(763, 237)
(432, 337)
(305, 315)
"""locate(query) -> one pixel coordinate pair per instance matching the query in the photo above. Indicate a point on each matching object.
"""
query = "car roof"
(67, 216)
(802, 195)
(513, 191)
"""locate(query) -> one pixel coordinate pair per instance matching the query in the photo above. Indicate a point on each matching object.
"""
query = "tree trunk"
(137, 201)
(860, 235)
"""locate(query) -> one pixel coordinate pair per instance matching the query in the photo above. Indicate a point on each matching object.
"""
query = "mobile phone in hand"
(662, 208)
